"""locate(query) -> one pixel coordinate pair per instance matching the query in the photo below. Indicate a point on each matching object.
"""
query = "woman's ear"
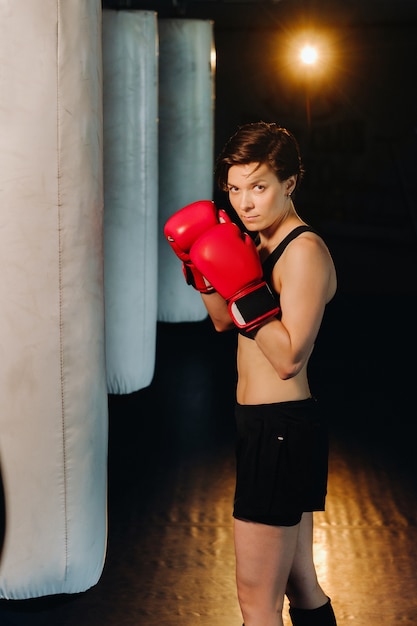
(291, 184)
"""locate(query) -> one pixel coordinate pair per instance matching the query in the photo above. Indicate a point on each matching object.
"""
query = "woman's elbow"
(288, 370)
(285, 374)
(222, 326)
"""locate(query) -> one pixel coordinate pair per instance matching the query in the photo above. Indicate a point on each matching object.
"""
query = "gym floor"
(170, 555)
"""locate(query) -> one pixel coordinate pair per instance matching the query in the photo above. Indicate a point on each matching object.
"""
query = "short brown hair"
(260, 142)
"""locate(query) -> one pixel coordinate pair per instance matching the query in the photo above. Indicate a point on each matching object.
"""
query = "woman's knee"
(259, 596)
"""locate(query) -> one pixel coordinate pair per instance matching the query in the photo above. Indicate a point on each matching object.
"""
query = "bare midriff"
(259, 383)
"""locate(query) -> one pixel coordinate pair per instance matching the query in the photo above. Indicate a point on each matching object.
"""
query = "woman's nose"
(246, 201)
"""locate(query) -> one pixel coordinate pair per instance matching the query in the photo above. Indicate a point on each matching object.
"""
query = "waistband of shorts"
(307, 409)
(311, 400)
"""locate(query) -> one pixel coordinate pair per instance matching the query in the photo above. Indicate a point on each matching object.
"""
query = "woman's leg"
(303, 589)
(264, 556)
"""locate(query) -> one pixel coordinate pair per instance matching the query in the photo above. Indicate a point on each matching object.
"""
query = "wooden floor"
(170, 555)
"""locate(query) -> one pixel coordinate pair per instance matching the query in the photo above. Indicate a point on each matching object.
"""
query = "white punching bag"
(53, 420)
(130, 109)
(186, 146)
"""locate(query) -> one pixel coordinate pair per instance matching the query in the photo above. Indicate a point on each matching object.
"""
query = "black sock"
(323, 616)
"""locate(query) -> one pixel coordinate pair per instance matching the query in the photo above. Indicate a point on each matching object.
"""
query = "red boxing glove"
(229, 259)
(184, 228)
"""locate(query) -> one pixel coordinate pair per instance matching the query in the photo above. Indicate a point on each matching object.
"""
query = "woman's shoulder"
(295, 233)
(305, 260)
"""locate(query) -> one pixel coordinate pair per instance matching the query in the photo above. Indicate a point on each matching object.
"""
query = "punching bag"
(53, 422)
(186, 146)
(130, 109)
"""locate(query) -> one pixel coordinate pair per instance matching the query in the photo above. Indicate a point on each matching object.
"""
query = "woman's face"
(257, 196)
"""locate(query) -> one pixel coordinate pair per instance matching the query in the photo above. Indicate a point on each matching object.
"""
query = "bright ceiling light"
(308, 55)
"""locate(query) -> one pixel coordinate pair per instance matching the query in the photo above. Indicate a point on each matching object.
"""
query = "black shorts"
(281, 462)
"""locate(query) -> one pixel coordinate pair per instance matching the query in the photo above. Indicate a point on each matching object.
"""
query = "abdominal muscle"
(259, 383)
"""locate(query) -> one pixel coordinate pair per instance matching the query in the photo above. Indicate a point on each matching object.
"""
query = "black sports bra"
(269, 263)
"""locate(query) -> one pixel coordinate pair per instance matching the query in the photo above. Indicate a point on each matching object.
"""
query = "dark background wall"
(360, 148)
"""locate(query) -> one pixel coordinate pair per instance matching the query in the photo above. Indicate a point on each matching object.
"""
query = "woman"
(282, 442)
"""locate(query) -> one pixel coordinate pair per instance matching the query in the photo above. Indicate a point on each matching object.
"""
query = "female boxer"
(274, 291)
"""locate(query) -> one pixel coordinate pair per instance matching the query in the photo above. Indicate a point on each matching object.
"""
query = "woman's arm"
(305, 279)
(217, 309)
